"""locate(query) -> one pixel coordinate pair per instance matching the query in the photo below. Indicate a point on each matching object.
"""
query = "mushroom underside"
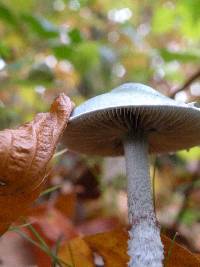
(102, 132)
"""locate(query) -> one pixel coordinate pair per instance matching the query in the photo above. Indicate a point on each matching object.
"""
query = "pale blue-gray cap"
(99, 125)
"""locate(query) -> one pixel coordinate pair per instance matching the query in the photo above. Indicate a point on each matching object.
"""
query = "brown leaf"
(180, 256)
(197, 255)
(60, 204)
(77, 253)
(99, 225)
(112, 247)
(24, 155)
(51, 225)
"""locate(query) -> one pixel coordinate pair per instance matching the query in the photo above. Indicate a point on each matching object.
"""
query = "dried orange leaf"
(52, 226)
(77, 253)
(112, 247)
(24, 155)
(180, 257)
(60, 203)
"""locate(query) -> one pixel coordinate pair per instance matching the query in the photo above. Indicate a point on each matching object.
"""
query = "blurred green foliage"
(87, 47)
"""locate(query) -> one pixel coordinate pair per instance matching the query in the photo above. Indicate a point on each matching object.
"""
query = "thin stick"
(188, 82)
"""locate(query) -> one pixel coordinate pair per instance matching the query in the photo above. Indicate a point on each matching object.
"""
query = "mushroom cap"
(99, 125)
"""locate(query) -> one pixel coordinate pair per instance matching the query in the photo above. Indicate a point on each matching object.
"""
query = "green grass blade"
(60, 153)
(171, 248)
(51, 189)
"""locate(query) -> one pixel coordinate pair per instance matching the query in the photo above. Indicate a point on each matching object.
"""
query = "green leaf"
(163, 20)
(179, 56)
(86, 56)
(192, 154)
(4, 50)
(193, 8)
(75, 36)
(7, 116)
(189, 19)
(62, 51)
(7, 15)
(190, 216)
(41, 26)
(41, 72)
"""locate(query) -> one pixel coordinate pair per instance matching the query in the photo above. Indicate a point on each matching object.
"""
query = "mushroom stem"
(144, 247)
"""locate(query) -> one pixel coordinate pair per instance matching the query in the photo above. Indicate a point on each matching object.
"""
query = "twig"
(187, 83)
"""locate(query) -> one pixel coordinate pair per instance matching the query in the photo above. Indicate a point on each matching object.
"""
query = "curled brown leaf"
(24, 155)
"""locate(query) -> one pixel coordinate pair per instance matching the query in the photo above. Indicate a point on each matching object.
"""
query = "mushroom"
(133, 120)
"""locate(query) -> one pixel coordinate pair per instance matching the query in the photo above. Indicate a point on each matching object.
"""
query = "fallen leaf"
(77, 253)
(99, 225)
(68, 209)
(180, 256)
(51, 225)
(197, 255)
(112, 247)
(24, 155)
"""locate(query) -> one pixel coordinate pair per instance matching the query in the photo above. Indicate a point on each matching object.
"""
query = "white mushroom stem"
(144, 247)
